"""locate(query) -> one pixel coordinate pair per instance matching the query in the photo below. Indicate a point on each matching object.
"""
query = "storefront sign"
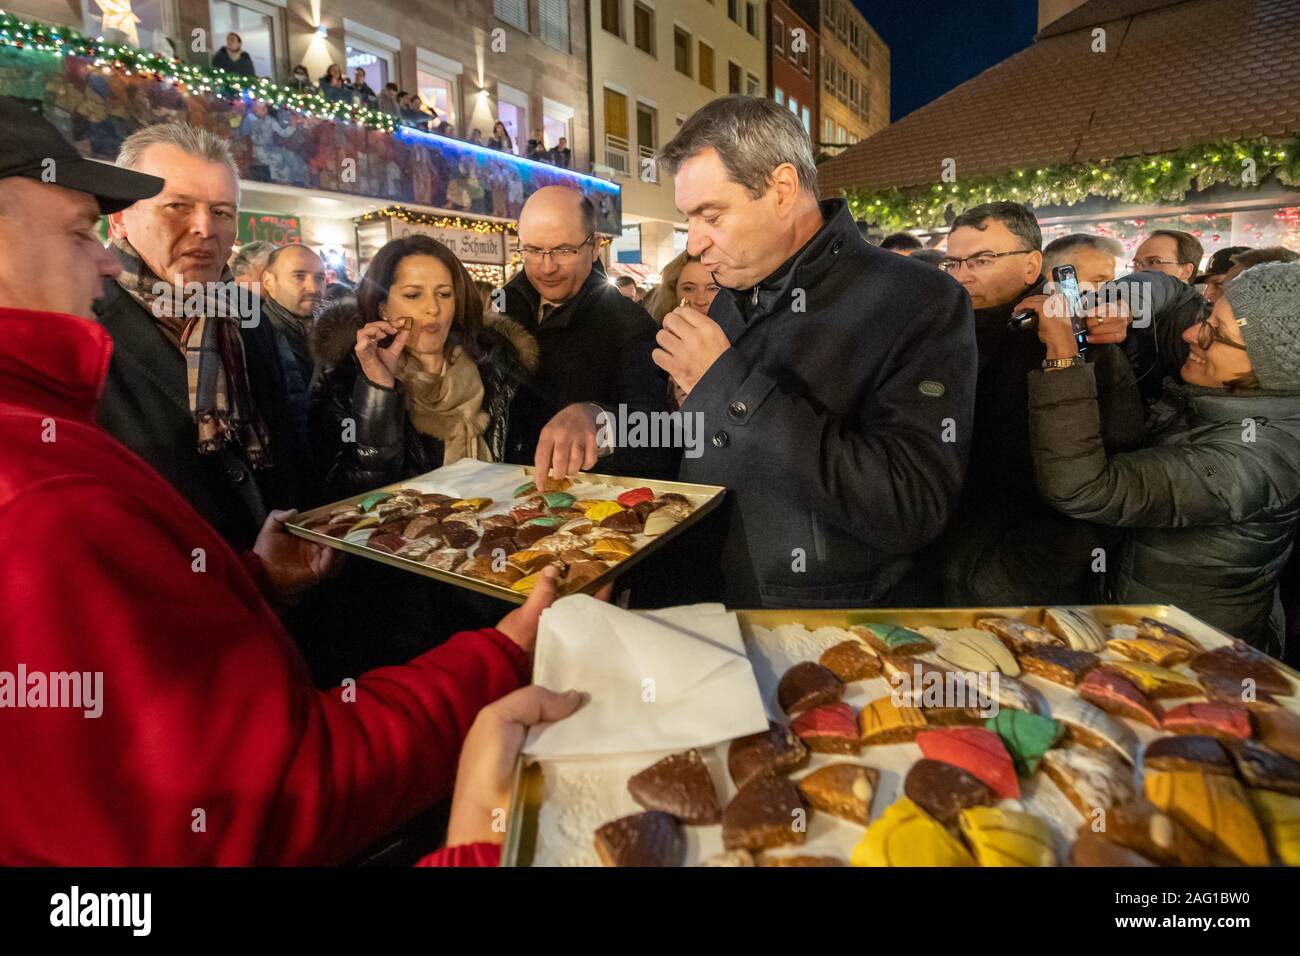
(486, 248)
(269, 227)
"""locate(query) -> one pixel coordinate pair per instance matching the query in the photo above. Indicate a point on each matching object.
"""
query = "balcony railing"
(617, 154)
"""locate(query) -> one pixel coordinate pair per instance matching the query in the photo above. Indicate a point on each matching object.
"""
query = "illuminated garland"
(1165, 177)
(64, 41)
(438, 222)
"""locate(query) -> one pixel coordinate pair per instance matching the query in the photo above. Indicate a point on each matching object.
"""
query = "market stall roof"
(1174, 73)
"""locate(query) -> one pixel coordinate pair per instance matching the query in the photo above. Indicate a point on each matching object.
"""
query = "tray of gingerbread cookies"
(486, 527)
(1086, 736)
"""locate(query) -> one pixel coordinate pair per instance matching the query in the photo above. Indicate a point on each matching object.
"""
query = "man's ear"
(116, 228)
(1034, 262)
(785, 180)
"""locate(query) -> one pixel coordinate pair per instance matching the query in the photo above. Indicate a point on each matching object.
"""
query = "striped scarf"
(221, 401)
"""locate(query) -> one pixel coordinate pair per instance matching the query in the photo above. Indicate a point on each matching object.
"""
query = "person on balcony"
(334, 85)
(501, 138)
(233, 58)
(561, 155)
(300, 81)
(361, 90)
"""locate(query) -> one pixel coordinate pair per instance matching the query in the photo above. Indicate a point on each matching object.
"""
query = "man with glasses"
(1171, 251)
(1006, 546)
(595, 346)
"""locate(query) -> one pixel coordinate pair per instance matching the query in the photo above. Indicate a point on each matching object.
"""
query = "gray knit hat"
(1265, 300)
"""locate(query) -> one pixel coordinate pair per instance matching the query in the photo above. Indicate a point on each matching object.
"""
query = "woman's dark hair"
(467, 324)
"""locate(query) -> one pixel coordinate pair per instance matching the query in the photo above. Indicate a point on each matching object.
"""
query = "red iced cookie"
(978, 751)
(1214, 719)
(634, 497)
(1115, 695)
(829, 729)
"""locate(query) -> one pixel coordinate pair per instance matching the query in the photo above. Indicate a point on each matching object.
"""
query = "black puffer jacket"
(388, 448)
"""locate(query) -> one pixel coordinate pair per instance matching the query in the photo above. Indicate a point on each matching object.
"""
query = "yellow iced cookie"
(1214, 807)
(526, 584)
(1154, 681)
(1279, 815)
(1007, 837)
(602, 510)
(613, 546)
(470, 504)
(1150, 650)
(906, 836)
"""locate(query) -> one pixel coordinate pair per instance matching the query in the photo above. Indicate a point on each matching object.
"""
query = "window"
(152, 22)
(733, 10)
(437, 81)
(611, 16)
(512, 111)
(616, 145)
(682, 50)
(751, 85)
(807, 121)
(255, 24)
(805, 60)
(794, 106)
(554, 17)
(779, 95)
(513, 12)
(647, 140)
(733, 77)
(751, 19)
(377, 64)
(706, 65)
(643, 28)
(557, 123)
(778, 34)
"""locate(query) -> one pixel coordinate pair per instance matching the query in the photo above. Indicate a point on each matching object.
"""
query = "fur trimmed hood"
(334, 335)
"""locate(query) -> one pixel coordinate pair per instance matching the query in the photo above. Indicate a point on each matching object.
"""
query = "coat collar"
(53, 363)
(1217, 405)
(563, 315)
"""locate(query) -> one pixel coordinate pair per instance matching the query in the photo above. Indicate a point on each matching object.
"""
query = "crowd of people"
(888, 435)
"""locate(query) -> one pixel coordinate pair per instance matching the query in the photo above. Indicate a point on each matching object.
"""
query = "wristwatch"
(1070, 362)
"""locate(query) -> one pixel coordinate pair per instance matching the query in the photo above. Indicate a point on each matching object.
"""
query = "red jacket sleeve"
(212, 747)
(467, 854)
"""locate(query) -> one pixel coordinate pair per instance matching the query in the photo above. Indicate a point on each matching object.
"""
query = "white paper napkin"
(658, 680)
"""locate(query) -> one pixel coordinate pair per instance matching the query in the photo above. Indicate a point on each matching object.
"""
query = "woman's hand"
(487, 761)
(1054, 327)
(380, 365)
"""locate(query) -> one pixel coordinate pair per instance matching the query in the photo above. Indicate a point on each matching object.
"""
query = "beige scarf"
(449, 406)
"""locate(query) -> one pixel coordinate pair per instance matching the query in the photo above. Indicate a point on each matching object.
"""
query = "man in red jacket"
(153, 711)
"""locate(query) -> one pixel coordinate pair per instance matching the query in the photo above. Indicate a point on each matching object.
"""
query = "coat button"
(237, 475)
(737, 409)
(720, 439)
(835, 246)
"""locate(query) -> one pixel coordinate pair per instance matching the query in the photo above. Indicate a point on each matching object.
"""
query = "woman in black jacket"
(411, 374)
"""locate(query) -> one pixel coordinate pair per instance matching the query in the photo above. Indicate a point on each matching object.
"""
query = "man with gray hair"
(835, 380)
(1093, 257)
(248, 264)
(195, 386)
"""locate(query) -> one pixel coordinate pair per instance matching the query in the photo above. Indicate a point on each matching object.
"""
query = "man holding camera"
(1006, 546)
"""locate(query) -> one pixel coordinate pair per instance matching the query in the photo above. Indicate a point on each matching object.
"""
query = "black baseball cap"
(1220, 262)
(28, 141)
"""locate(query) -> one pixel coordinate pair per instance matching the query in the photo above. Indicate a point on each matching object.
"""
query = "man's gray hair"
(1056, 251)
(188, 139)
(252, 256)
(752, 136)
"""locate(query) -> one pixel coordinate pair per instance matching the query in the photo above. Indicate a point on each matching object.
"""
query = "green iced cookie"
(369, 501)
(1026, 736)
(558, 499)
(527, 488)
(898, 639)
(546, 521)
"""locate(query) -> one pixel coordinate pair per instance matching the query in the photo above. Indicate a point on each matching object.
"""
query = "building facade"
(653, 63)
(793, 59)
(854, 75)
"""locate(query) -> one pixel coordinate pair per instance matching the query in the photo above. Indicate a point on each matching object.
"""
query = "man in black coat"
(834, 381)
(1006, 546)
(595, 348)
(203, 404)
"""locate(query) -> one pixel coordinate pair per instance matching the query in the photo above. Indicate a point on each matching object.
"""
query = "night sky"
(937, 44)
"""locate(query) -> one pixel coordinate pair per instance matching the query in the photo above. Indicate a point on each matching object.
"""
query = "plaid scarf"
(217, 378)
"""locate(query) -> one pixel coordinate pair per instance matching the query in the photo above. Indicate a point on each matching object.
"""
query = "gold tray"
(527, 788)
(712, 495)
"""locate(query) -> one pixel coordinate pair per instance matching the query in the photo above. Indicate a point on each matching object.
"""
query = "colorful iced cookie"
(576, 526)
(764, 813)
(652, 838)
(1212, 719)
(543, 521)
(659, 522)
(1076, 627)
(773, 751)
(851, 661)
(1116, 695)
(1007, 837)
(1279, 817)
(422, 526)
(943, 791)
(906, 836)
(1027, 737)
(807, 685)
(581, 573)
(1200, 754)
(1017, 636)
(531, 561)
(889, 639)
(831, 729)
(1240, 662)
(1158, 683)
(970, 649)
(1160, 653)
(389, 543)
(444, 559)
(1279, 729)
(978, 751)
(1214, 808)
(1149, 627)
(1060, 665)
(1090, 779)
(527, 583)
(524, 490)
(1142, 828)
(843, 790)
(371, 500)
(613, 548)
(1266, 769)
(558, 499)
(626, 521)
(635, 496)
(1087, 725)
(1011, 692)
(680, 785)
(470, 504)
(880, 722)
(601, 510)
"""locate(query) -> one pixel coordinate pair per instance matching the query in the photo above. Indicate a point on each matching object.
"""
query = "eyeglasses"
(1207, 335)
(978, 262)
(1150, 262)
(560, 254)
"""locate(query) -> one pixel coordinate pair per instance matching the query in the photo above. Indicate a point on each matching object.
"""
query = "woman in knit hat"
(1213, 505)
